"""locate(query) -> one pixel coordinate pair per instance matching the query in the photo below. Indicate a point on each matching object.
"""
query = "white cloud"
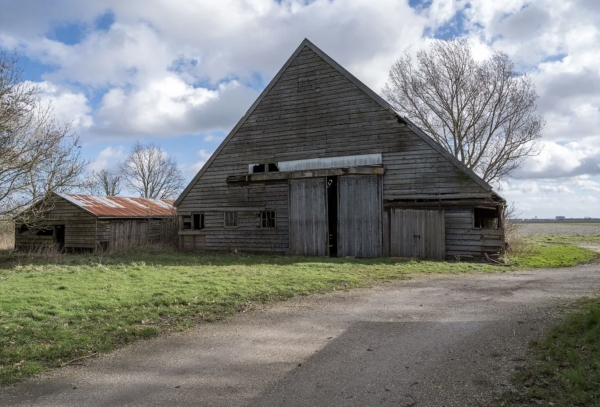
(110, 155)
(210, 138)
(193, 169)
(69, 106)
(174, 68)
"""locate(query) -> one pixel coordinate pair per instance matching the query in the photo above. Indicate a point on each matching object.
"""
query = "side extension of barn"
(77, 222)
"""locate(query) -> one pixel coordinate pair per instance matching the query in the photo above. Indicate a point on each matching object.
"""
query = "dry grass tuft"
(7, 236)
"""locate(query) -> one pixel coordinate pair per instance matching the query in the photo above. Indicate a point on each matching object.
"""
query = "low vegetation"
(54, 310)
(564, 366)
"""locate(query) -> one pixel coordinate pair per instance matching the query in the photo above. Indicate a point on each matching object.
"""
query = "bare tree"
(38, 155)
(152, 173)
(483, 112)
(104, 182)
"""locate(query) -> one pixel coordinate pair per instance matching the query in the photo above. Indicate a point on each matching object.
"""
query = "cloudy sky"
(182, 72)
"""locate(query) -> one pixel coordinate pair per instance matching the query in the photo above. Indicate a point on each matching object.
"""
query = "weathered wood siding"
(122, 233)
(80, 226)
(417, 233)
(359, 217)
(308, 217)
(462, 239)
(312, 111)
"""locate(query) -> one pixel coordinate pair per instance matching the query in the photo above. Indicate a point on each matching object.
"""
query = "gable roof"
(306, 43)
(121, 207)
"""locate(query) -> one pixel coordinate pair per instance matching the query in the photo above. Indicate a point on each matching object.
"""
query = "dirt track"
(430, 341)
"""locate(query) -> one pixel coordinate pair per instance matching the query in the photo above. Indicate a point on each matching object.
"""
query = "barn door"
(308, 217)
(417, 233)
(359, 216)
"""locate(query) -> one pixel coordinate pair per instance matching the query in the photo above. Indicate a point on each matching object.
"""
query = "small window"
(267, 219)
(263, 168)
(485, 218)
(231, 219)
(187, 222)
(258, 168)
(198, 221)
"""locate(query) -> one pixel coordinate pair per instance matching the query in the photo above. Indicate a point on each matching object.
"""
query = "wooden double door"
(339, 216)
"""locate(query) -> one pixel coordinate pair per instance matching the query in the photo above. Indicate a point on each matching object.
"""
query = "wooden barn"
(84, 222)
(321, 165)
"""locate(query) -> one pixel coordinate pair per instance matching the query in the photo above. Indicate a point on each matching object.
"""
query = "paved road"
(429, 341)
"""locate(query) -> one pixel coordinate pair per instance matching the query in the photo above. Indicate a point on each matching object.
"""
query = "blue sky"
(181, 73)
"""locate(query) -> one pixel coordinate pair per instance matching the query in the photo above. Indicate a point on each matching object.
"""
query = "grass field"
(564, 366)
(55, 310)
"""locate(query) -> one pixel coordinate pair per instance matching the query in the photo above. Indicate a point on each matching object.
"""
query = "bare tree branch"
(103, 182)
(481, 112)
(38, 156)
(149, 171)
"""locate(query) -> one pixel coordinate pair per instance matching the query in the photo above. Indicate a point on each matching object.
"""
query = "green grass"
(566, 239)
(564, 367)
(53, 311)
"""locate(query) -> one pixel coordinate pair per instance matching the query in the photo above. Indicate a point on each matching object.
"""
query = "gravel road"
(428, 341)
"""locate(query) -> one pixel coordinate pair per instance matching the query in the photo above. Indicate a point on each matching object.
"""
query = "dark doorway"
(59, 237)
(332, 214)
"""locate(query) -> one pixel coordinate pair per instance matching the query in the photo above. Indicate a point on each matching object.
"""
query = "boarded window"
(485, 218)
(267, 219)
(198, 221)
(231, 219)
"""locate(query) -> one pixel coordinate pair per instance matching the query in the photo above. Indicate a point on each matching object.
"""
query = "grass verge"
(564, 367)
(54, 310)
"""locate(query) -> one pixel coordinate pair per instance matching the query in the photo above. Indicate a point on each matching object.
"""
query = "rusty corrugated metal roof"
(116, 206)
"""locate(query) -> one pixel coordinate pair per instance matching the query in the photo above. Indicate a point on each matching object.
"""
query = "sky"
(181, 73)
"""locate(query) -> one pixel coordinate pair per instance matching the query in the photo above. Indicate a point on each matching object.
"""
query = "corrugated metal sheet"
(359, 217)
(330, 162)
(116, 206)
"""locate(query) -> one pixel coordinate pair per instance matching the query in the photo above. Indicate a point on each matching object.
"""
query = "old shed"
(321, 165)
(76, 222)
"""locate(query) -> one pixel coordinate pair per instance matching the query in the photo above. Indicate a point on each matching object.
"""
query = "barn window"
(262, 168)
(485, 218)
(198, 221)
(258, 168)
(267, 219)
(187, 222)
(231, 219)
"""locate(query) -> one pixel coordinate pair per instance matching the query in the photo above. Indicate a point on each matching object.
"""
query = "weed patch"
(564, 366)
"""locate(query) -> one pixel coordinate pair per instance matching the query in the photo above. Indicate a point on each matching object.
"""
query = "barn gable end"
(313, 108)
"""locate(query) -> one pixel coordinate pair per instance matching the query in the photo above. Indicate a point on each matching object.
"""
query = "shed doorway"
(417, 233)
(308, 217)
(359, 216)
(336, 216)
(59, 237)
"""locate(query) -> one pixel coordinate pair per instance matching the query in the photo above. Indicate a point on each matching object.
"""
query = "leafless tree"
(38, 155)
(152, 173)
(103, 182)
(483, 112)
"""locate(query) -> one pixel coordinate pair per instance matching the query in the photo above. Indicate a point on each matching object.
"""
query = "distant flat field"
(559, 229)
